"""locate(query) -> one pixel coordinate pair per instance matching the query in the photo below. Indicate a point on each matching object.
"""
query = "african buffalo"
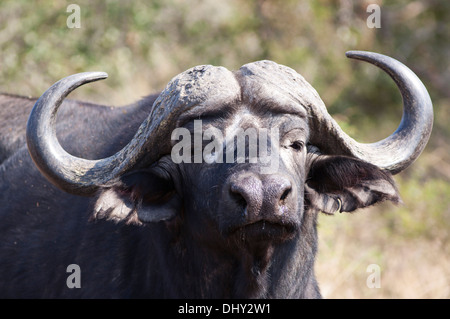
(98, 188)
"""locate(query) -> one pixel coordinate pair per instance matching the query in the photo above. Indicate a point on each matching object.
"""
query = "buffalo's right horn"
(61, 168)
(152, 140)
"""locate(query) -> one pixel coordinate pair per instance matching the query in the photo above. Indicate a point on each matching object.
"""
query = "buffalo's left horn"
(401, 148)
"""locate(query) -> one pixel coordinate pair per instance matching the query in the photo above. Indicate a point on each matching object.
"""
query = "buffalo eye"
(297, 145)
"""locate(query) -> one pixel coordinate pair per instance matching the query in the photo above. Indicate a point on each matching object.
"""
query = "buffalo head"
(236, 203)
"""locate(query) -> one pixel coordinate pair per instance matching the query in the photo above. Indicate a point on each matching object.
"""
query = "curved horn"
(61, 168)
(152, 140)
(399, 150)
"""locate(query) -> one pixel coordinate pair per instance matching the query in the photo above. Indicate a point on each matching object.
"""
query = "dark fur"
(194, 251)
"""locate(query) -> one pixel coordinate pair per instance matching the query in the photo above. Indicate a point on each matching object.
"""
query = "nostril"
(246, 194)
(285, 194)
(240, 202)
(239, 199)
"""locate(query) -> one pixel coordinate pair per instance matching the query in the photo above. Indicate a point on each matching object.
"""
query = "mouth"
(264, 231)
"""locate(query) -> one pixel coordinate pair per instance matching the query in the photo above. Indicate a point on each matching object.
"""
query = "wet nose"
(261, 196)
(277, 189)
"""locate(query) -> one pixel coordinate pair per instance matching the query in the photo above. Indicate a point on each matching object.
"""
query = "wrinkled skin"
(244, 217)
(249, 231)
(255, 244)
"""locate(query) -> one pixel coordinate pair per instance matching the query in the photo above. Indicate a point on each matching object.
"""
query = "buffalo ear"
(344, 184)
(143, 196)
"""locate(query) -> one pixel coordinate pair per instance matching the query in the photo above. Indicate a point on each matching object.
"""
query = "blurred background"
(143, 44)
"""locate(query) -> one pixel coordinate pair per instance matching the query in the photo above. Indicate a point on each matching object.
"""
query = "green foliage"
(426, 212)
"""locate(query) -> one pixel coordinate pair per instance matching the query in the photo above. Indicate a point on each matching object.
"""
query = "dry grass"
(410, 267)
